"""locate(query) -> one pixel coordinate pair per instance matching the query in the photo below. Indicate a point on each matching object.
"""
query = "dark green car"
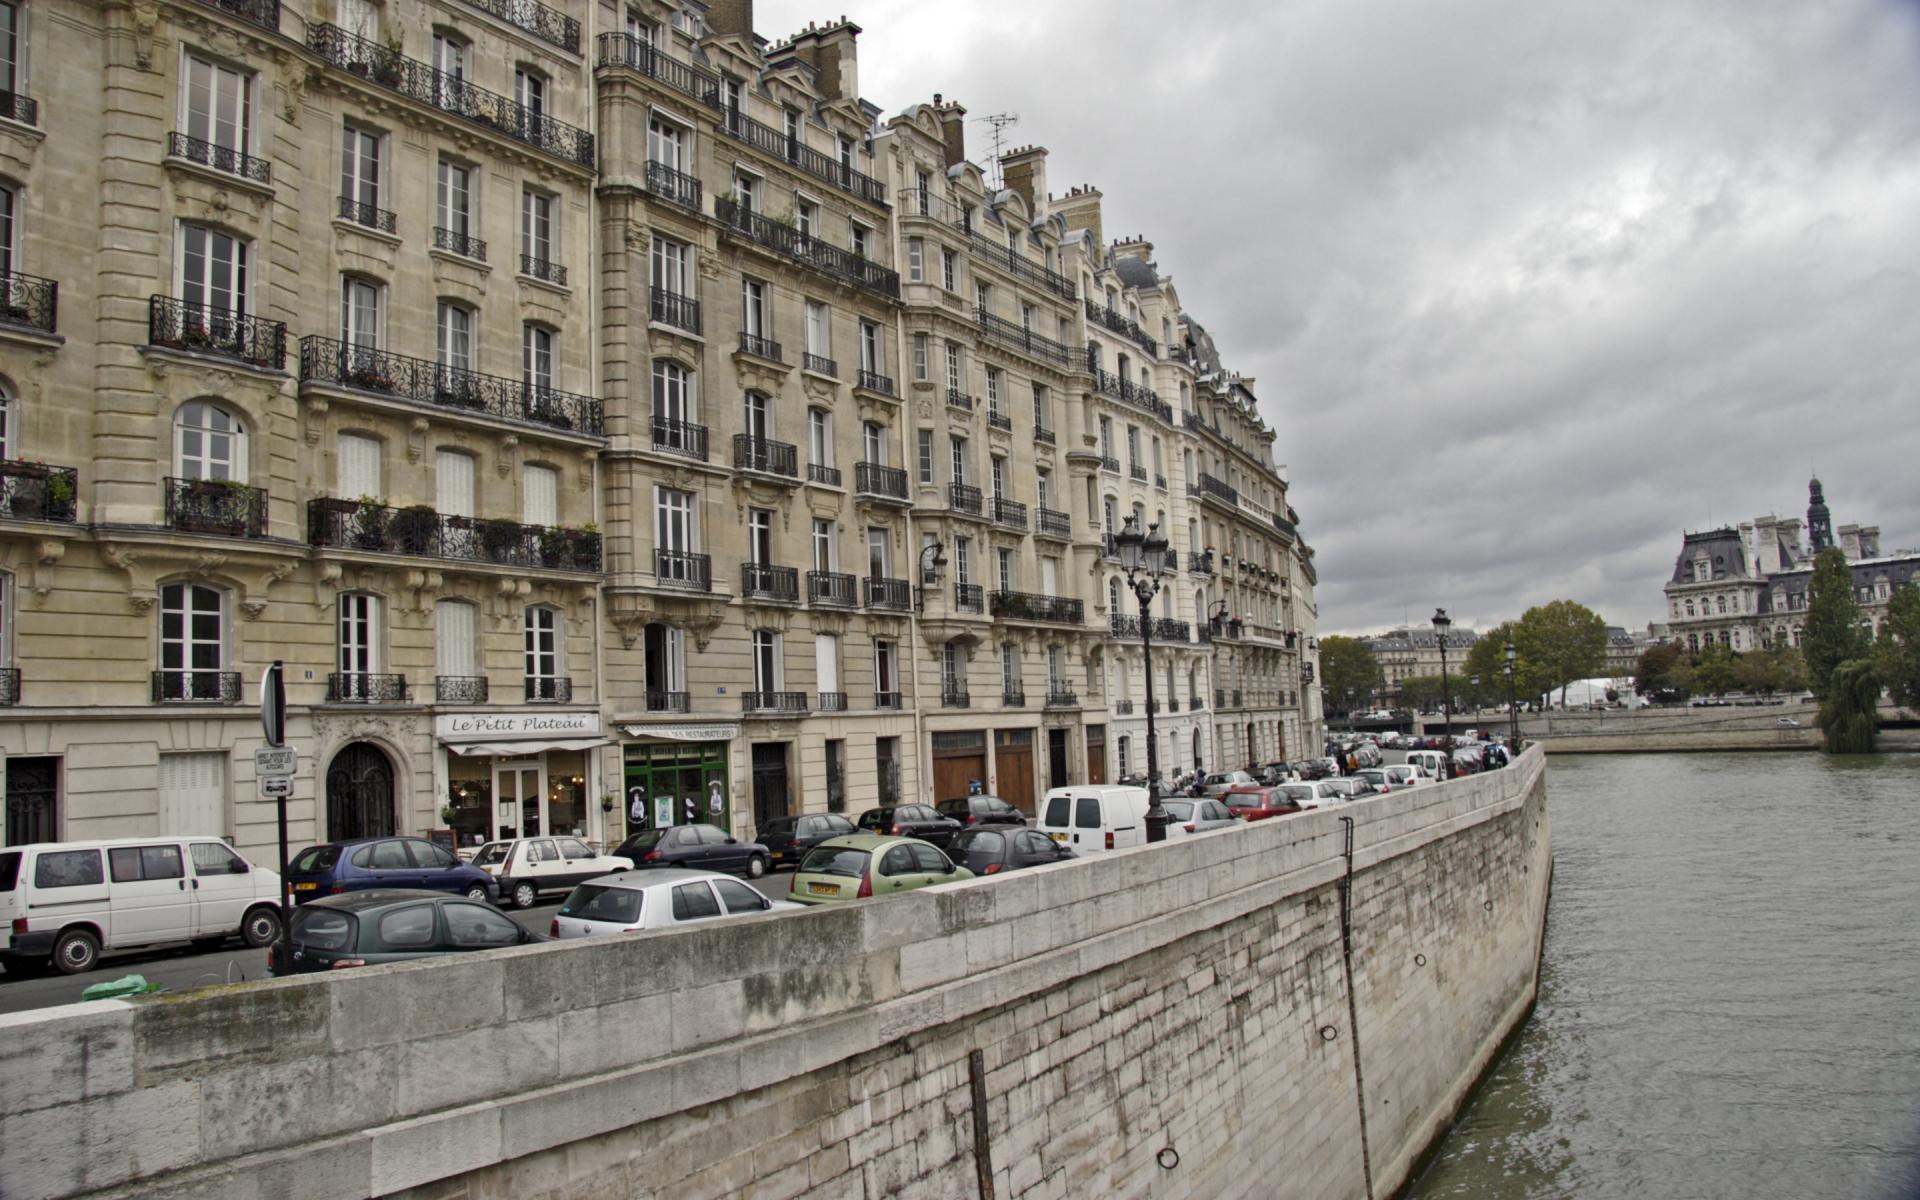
(363, 929)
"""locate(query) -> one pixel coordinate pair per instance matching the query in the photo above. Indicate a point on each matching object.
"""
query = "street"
(179, 969)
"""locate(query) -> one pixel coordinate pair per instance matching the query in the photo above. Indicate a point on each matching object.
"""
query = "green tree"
(1346, 665)
(1488, 660)
(1715, 671)
(1561, 642)
(1421, 692)
(1850, 708)
(1833, 633)
(1897, 656)
(1654, 673)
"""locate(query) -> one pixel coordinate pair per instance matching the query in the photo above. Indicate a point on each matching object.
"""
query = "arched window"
(192, 643)
(1113, 598)
(1689, 607)
(1722, 602)
(545, 651)
(209, 443)
(1693, 642)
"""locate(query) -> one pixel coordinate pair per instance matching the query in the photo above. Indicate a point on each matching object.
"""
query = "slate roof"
(1135, 272)
(1723, 549)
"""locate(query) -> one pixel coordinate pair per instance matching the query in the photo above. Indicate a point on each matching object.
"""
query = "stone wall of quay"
(1192, 997)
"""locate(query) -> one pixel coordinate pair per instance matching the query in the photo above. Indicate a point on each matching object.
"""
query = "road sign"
(276, 787)
(275, 760)
(273, 704)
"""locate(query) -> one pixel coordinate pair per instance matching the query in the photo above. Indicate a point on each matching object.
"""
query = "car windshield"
(1297, 793)
(984, 840)
(492, 854)
(836, 860)
(592, 902)
(323, 928)
(646, 839)
(316, 858)
(1179, 810)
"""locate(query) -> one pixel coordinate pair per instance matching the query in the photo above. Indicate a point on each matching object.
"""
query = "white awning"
(519, 749)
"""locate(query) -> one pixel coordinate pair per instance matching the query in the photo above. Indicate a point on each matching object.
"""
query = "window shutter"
(453, 645)
(540, 488)
(826, 648)
(453, 483)
(193, 794)
(357, 463)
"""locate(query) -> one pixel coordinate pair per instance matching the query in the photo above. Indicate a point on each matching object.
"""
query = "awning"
(519, 749)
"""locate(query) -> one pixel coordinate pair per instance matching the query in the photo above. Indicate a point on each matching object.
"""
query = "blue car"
(398, 862)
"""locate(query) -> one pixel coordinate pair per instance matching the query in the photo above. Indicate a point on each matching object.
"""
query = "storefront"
(524, 774)
(678, 775)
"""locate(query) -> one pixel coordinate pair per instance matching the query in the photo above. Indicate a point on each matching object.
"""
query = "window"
(1106, 437)
(1133, 446)
(860, 239)
(1009, 668)
(672, 391)
(450, 60)
(674, 527)
(753, 308)
(759, 417)
(356, 466)
(993, 390)
(67, 868)
(879, 552)
(949, 270)
(826, 661)
(806, 217)
(665, 663)
(453, 338)
(953, 367)
(1005, 561)
(668, 267)
(211, 858)
(410, 926)
(873, 359)
(790, 125)
(953, 668)
(536, 358)
(360, 175)
(819, 437)
(358, 647)
(982, 296)
(360, 312)
(746, 192)
(218, 106)
(536, 229)
(920, 356)
(666, 144)
(641, 30)
(959, 448)
(540, 496)
(209, 443)
(886, 658)
(916, 259)
(742, 899)
(543, 638)
(823, 544)
(455, 654)
(131, 864)
(819, 334)
(998, 474)
(530, 93)
(924, 439)
(694, 902)
(1042, 408)
(455, 208)
(1043, 489)
(768, 670)
(873, 442)
(963, 560)
(213, 274)
(760, 537)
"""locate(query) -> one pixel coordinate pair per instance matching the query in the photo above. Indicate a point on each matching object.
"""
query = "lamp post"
(931, 572)
(1144, 557)
(1513, 708)
(1441, 623)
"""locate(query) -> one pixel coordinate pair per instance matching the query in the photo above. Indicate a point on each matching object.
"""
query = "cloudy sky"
(1528, 286)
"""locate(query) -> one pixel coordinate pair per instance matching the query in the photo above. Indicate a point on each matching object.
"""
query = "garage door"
(193, 794)
(959, 760)
(1013, 767)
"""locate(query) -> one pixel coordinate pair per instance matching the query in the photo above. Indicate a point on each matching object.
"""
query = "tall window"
(640, 30)
(454, 336)
(959, 448)
(998, 473)
(768, 670)
(759, 416)
(1133, 446)
(672, 391)
(209, 443)
(1010, 669)
(819, 336)
(760, 536)
(666, 144)
(823, 547)
(982, 296)
(668, 267)
(879, 552)
(953, 668)
(924, 438)
(543, 651)
(219, 109)
(753, 308)
(450, 61)
(453, 480)
(1004, 560)
(953, 367)
(455, 655)
(8, 230)
(1042, 407)
(192, 642)
(664, 666)
(675, 536)
(360, 312)
(860, 240)
(360, 175)
(358, 644)
(536, 358)
(530, 93)
(873, 442)
(886, 674)
(536, 229)
(949, 270)
(213, 274)
(1043, 489)
(873, 359)
(819, 437)
(806, 217)
(455, 208)
(746, 192)
(916, 260)
(1106, 437)
(539, 495)
(993, 390)
(963, 560)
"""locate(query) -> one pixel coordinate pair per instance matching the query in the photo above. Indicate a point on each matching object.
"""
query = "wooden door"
(1014, 766)
(1096, 762)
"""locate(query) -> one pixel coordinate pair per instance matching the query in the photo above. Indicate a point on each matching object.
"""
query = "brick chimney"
(953, 129)
(1025, 171)
(1081, 209)
(829, 50)
(731, 16)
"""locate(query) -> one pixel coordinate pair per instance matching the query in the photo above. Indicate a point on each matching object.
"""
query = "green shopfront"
(678, 775)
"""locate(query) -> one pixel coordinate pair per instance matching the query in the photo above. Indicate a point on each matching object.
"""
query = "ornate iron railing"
(328, 360)
(194, 685)
(768, 140)
(1219, 489)
(873, 381)
(963, 497)
(1167, 630)
(16, 107)
(1109, 463)
(1124, 627)
(758, 581)
(183, 325)
(9, 686)
(819, 364)
(821, 474)
(1043, 435)
(831, 588)
(830, 701)
(680, 437)
(1021, 338)
(953, 694)
(1136, 472)
(1031, 606)
(784, 239)
(671, 308)
(959, 399)
(224, 159)
(465, 245)
(1100, 314)
(1062, 698)
(678, 569)
(1014, 264)
(217, 506)
(761, 347)
(675, 187)
(29, 301)
(358, 687)
(1131, 394)
(1010, 513)
(886, 699)
(31, 491)
(1123, 708)
(544, 270)
(422, 532)
(548, 24)
(1200, 564)
(460, 689)
(891, 594)
(548, 689)
(367, 215)
(667, 702)
(624, 50)
(264, 13)
(765, 456)
(1000, 421)
(774, 703)
(1052, 523)
(1013, 697)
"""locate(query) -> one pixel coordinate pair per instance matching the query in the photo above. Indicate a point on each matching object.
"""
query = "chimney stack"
(1025, 171)
(731, 16)
(953, 129)
(829, 50)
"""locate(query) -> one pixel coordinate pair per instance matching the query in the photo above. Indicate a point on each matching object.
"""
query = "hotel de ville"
(608, 417)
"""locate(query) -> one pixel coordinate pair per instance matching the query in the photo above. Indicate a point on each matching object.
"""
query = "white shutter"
(453, 483)
(540, 489)
(826, 651)
(193, 794)
(453, 646)
(357, 462)
(1049, 581)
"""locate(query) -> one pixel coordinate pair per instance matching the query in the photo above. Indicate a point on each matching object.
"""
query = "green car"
(867, 864)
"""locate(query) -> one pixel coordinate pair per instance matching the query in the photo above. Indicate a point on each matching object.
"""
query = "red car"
(1259, 803)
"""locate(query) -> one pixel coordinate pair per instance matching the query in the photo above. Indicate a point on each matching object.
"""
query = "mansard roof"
(1723, 549)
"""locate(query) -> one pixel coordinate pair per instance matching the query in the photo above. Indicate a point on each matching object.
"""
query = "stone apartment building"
(603, 414)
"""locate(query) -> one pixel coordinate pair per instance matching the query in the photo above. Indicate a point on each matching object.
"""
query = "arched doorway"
(359, 793)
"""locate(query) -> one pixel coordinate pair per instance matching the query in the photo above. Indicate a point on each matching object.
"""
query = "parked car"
(1313, 768)
(383, 925)
(70, 902)
(1095, 818)
(525, 867)
(911, 820)
(701, 847)
(1351, 787)
(1218, 783)
(1260, 803)
(868, 864)
(1401, 775)
(333, 868)
(788, 839)
(629, 902)
(989, 849)
(982, 810)
(1196, 816)
(1376, 777)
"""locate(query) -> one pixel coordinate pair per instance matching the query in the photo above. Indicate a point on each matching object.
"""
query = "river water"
(1730, 997)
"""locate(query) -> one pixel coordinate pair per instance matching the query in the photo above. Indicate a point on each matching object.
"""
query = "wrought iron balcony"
(820, 365)
(1052, 523)
(1123, 708)
(1000, 421)
(1124, 627)
(460, 689)
(1109, 463)
(355, 687)
(1167, 630)
(675, 187)
(1100, 314)
(1062, 697)
(761, 347)
(1032, 272)
(680, 437)
(768, 140)
(1160, 482)
(824, 475)
(1137, 473)
(329, 361)
(422, 532)
(969, 598)
(953, 694)
(184, 325)
(195, 685)
(1013, 698)
(1173, 706)
(887, 483)
(1131, 394)
(671, 308)
(830, 701)
(1200, 564)
(790, 704)
(462, 244)
(222, 507)
(766, 457)
(1031, 606)
(803, 248)
(1019, 337)
(964, 497)
(15, 107)
(759, 581)
(1197, 703)
(1219, 489)
(890, 594)
(9, 686)
(29, 301)
(367, 215)
(873, 381)
(264, 13)
(223, 159)
(1219, 697)
(549, 689)
(1179, 354)
(543, 270)
(450, 94)
(624, 50)
(678, 569)
(1010, 513)
(1192, 421)
(1044, 436)
(31, 491)
(831, 589)
(666, 702)
(959, 399)
(886, 700)
(550, 25)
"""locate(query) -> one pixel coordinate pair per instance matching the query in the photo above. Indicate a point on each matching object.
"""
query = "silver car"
(1196, 816)
(1218, 784)
(662, 899)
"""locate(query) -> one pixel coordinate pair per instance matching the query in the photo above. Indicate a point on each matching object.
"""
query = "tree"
(1833, 633)
(1850, 708)
(1346, 665)
(1715, 671)
(1561, 642)
(1421, 693)
(1897, 656)
(1654, 673)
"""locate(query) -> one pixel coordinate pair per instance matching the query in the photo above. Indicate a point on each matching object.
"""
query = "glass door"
(520, 797)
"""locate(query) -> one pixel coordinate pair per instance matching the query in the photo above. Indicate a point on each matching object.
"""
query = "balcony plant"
(500, 539)
(555, 547)
(370, 517)
(367, 373)
(584, 543)
(457, 388)
(59, 494)
(416, 529)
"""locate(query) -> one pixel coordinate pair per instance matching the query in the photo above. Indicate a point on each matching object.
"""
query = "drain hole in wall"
(1488, 906)
(1168, 1158)
(1419, 960)
(1328, 1033)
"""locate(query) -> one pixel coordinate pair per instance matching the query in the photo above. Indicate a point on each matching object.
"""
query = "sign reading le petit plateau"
(488, 727)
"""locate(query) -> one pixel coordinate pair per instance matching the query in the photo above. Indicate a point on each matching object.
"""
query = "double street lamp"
(1144, 557)
(1513, 709)
(1442, 623)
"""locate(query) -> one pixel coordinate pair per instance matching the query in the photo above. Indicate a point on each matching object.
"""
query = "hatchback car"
(383, 925)
(701, 847)
(526, 867)
(334, 868)
(630, 902)
(989, 850)
(1196, 816)
(911, 820)
(982, 810)
(1220, 783)
(1258, 804)
(866, 864)
(788, 839)
(1350, 787)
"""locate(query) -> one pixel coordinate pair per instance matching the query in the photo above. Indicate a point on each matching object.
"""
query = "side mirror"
(733, 841)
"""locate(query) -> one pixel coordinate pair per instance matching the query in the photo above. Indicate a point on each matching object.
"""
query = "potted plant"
(446, 814)
(555, 547)
(416, 529)
(500, 538)
(585, 544)
(608, 802)
(370, 517)
(60, 497)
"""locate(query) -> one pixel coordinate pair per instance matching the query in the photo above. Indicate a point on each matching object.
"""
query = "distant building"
(1405, 653)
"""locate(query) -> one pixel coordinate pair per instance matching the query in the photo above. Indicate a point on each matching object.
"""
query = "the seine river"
(1730, 999)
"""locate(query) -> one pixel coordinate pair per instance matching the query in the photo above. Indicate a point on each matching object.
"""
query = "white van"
(72, 901)
(1095, 818)
(1428, 762)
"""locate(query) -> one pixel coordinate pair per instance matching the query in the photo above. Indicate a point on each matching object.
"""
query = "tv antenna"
(999, 121)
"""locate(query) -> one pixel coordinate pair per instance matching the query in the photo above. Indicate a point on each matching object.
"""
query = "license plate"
(1059, 837)
(775, 854)
(823, 889)
(306, 887)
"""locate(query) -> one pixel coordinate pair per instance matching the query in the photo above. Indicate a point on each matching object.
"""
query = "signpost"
(274, 767)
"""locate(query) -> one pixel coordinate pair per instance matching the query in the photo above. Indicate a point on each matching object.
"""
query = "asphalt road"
(181, 969)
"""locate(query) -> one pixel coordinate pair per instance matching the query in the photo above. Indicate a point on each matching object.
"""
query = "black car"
(333, 868)
(989, 850)
(383, 925)
(704, 847)
(788, 839)
(911, 820)
(1312, 768)
(982, 810)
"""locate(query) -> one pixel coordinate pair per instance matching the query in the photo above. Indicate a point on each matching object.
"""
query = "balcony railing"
(1165, 630)
(1014, 264)
(759, 581)
(769, 140)
(784, 239)
(1219, 489)
(1013, 698)
(544, 270)
(679, 569)
(872, 479)
(774, 703)
(1219, 697)
(1000, 421)
(548, 689)
(194, 685)
(367, 215)
(29, 301)
(1124, 627)
(424, 533)
(1062, 697)
(831, 589)
(1123, 708)
(9, 686)
(1131, 394)
(1021, 338)
(959, 399)
(31, 491)
(761, 347)
(680, 437)
(223, 159)
(356, 687)
(830, 701)
(264, 13)
(624, 50)
(671, 308)
(1030, 606)
(1050, 522)
(16, 107)
(1200, 564)
(820, 365)
(666, 702)
(824, 475)
(969, 597)
(460, 689)
(450, 94)
(873, 381)
(1010, 513)
(1197, 703)
(184, 325)
(221, 507)
(964, 497)
(767, 457)
(326, 360)
(1044, 436)
(953, 694)
(1137, 473)
(455, 242)
(1100, 314)
(891, 594)
(675, 187)
(1109, 463)
(548, 24)
(1160, 482)
(886, 700)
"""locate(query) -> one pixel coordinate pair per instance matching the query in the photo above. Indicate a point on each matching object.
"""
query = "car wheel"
(524, 894)
(76, 952)
(477, 891)
(261, 928)
(756, 867)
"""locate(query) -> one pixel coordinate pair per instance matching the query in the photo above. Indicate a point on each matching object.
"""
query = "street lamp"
(931, 572)
(1144, 557)
(1513, 709)
(1441, 623)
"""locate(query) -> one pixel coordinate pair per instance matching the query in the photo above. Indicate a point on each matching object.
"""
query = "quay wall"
(1174, 1020)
